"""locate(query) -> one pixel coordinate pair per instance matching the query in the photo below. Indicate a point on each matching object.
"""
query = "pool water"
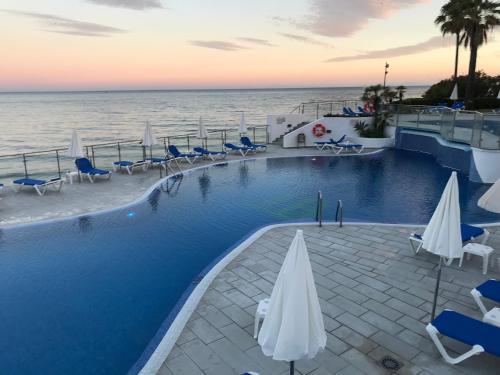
(87, 295)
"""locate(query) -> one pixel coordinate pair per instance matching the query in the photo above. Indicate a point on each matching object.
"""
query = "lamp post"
(386, 72)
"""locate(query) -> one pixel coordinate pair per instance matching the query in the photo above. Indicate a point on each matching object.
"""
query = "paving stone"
(204, 330)
(350, 294)
(238, 298)
(362, 362)
(238, 360)
(405, 308)
(335, 345)
(269, 365)
(357, 324)
(214, 315)
(242, 339)
(354, 339)
(347, 305)
(183, 365)
(326, 360)
(405, 297)
(185, 336)
(414, 339)
(371, 293)
(395, 345)
(350, 370)
(205, 358)
(238, 315)
(215, 298)
(382, 323)
(341, 279)
(246, 288)
(374, 283)
(382, 309)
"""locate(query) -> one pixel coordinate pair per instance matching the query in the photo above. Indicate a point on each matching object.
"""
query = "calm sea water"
(38, 121)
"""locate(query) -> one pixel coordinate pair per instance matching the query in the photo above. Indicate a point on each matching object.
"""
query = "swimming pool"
(87, 295)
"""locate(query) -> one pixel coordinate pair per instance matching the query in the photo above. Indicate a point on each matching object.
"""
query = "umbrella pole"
(292, 367)
(436, 290)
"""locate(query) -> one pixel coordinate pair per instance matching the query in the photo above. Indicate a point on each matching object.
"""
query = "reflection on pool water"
(87, 295)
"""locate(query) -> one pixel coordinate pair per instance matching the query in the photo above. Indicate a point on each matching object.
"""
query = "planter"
(374, 142)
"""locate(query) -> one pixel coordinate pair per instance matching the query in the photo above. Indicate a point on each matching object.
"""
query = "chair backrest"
(231, 146)
(246, 141)
(341, 139)
(346, 112)
(361, 109)
(83, 165)
(200, 150)
(173, 150)
(349, 109)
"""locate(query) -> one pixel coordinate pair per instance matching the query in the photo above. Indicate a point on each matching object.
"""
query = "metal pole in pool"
(58, 164)
(25, 167)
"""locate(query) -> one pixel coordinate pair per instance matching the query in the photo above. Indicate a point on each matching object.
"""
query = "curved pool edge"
(145, 195)
(152, 365)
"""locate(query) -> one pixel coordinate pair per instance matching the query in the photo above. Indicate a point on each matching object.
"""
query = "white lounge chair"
(490, 289)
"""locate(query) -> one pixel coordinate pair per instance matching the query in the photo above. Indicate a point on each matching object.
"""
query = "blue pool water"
(87, 295)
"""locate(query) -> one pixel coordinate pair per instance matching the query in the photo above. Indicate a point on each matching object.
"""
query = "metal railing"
(478, 129)
(321, 108)
(319, 209)
(339, 214)
(47, 163)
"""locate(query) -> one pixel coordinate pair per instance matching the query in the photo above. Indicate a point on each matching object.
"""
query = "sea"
(44, 120)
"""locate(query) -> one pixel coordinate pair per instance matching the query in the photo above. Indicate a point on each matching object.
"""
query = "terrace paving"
(83, 198)
(375, 294)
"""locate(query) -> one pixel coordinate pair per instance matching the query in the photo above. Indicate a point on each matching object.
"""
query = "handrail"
(319, 209)
(339, 213)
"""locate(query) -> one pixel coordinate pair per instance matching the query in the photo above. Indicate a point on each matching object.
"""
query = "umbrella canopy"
(491, 199)
(293, 327)
(242, 129)
(75, 149)
(454, 93)
(442, 235)
(149, 139)
(202, 132)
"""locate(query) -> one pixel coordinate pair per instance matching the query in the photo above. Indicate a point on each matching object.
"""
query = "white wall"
(487, 164)
(277, 125)
(337, 125)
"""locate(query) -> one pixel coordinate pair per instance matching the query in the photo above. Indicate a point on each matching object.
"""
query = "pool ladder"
(339, 214)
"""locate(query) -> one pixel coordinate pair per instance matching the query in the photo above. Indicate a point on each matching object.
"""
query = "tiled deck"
(376, 296)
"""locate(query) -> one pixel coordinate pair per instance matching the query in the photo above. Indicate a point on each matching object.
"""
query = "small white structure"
(293, 327)
(454, 93)
(75, 149)
(242, 129)
(491, 199)
(202, 131)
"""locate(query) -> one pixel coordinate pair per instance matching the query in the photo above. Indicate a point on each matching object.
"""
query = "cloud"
(342, 18)
(261, 42)
(306, 39)
(61, 25)
(429, 45)
(218, 44)
(131, 4)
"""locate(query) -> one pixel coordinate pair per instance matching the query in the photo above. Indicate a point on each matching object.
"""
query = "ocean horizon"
(40, 120)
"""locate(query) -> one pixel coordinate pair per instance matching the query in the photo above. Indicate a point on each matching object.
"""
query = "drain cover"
(390, 363)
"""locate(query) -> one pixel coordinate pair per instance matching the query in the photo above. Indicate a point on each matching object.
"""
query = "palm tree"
(480, 17)
(451, 20)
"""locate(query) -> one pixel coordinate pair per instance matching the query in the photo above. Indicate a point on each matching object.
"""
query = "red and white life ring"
(319, 130)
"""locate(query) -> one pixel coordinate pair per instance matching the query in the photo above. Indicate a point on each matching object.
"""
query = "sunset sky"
(155, 44)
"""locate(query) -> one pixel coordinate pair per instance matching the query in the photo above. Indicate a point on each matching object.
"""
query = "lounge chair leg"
(38, 190)
(486, 235)
(477, 297)
(433, 333)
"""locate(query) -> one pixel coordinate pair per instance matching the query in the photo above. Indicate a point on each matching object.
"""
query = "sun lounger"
(130, 165)
(85, 167)
(489, 289)
(40, 186)
(243, 150)
(483, 337)
(212, 155)
(346, 146)
(189, 157)
(469, 233)
(245, 141)
(349, 109)
(346, 112)
(321, 145)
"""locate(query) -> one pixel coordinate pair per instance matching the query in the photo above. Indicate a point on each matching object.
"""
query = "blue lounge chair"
(490, 289)
(189, 157)
(85, 167)
(469, 233)
(321, 145)
(347, 146)
(40, 186)
(130, 165)
(483, 337)
(243, 150)
(349, 109)
(245, 141)
(212, 155)
(346, 112)
(362, 111)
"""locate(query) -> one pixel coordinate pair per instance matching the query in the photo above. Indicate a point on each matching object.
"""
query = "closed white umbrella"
(293, 327)
(454, 93)
(149, 140)
(202, 131)
(242, 129)
(75, 149)
(491, 199)
(442, 235)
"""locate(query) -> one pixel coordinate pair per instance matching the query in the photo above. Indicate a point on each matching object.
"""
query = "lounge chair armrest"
(433, 333)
